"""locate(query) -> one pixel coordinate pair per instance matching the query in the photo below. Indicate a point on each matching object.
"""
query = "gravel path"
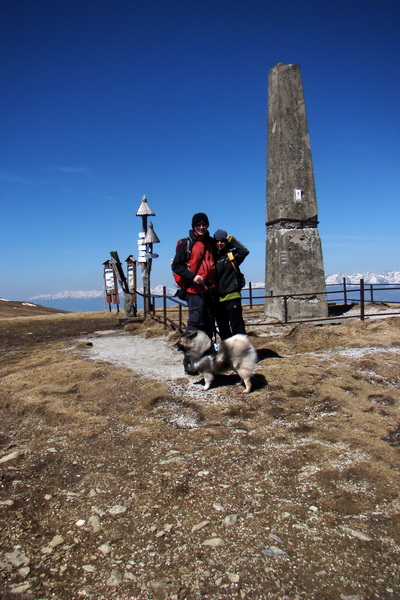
(154, 358)
(150, 357)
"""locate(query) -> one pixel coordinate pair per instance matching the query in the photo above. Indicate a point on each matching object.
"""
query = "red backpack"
(179, 280)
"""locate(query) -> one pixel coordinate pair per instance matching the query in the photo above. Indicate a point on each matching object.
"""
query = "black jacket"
(227, 277)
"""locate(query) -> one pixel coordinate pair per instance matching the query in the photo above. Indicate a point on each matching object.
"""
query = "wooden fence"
(171, 311)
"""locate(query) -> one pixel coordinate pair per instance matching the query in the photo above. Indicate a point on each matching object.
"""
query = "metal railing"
(340, 300)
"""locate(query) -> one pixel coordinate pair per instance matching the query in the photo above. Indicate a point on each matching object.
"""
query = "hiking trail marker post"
(131, 279)
(147, 237)
(111, 295)
(129, 295)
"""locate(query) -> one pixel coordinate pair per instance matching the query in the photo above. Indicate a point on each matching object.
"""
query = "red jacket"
(200, 262)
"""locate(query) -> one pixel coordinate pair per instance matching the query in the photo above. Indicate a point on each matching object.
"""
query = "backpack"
(241, 281)
(180, 281)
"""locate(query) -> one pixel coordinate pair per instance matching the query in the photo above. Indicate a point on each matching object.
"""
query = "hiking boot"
(188, 367)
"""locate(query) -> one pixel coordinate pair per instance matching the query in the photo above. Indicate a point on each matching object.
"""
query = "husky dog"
(235, 353)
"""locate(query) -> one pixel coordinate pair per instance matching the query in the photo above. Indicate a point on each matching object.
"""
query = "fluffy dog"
(235, 353)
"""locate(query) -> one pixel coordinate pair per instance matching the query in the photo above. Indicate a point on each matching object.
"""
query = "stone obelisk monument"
(294, 263)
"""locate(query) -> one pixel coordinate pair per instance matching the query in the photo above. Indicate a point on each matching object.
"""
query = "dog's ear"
(191, 334)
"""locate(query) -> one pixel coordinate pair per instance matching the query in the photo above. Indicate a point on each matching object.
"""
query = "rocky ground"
(121, 479)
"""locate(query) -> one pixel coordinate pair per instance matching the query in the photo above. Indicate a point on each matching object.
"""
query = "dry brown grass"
(309, 463)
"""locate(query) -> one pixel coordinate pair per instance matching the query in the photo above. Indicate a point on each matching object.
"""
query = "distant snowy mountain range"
(77, 295)
(374, 278)
(89, 300)
(335, 278)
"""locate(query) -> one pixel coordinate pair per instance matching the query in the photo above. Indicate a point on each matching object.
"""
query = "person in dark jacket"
(194, 269)
(229, 315)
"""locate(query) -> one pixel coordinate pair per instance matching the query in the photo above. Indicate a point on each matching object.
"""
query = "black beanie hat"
(199, 217)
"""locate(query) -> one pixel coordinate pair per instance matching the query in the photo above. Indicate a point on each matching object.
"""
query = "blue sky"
(104, 101)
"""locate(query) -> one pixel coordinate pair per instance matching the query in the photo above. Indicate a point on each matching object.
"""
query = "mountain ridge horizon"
(380, 278)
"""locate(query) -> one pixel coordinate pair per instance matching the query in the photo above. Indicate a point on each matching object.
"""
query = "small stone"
(160, 534)
(233, 577)
(105, 548)
(89, 568)
(80, 522)
(95, 523)
(230, 520)
(164, 585)
(46, 550)
(6, 502)
(357, 534)
(52, 450)
(24, 571)
(56, 541)
(17, 559)
(174, 459)
(199, 526)
(20, 589)
(313, 509)
(214, 542)
(118, 509)
(218, 506)
(5, 567)
(48, 497)
(8, 457)
(114, 579)
(274, 551)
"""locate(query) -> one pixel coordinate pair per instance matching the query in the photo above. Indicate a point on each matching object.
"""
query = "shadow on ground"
(263, 353)
(258, 381)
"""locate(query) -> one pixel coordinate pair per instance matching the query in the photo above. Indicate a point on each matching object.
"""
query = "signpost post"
(147, 237)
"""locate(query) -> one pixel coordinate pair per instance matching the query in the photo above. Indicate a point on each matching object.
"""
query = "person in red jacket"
(194, 268)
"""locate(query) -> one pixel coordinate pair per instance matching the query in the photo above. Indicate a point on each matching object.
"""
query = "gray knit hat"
(220, 234)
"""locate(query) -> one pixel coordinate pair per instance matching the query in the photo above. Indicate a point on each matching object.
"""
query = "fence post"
(250, 296)
(362, 300)
(344, 291)
(164, 292)
(144, 304)
(285, 308)
(372, 293)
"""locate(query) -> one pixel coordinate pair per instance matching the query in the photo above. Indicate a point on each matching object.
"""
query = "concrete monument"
(294, 263)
